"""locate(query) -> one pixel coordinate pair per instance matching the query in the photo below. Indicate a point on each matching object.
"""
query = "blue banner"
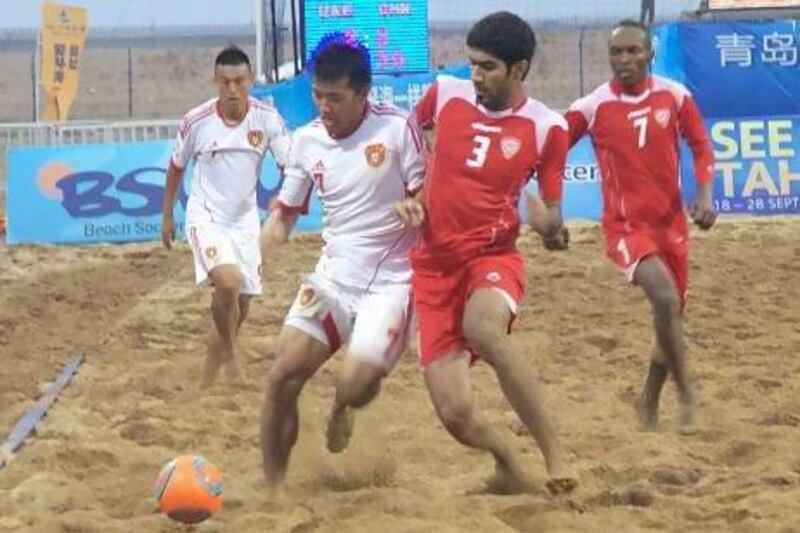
(734, 69)
(293, 97)
(582, 196)
(103, 193)
(114, 192)
(758, 165)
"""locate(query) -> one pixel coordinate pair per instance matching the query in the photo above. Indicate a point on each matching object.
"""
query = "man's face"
(341, 107)
(492, 79)
(629, 56)
(233, 82)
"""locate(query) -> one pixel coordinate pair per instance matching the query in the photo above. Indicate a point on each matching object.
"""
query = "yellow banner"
(63, 34)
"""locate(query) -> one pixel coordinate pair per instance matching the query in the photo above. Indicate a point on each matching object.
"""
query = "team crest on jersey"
(510, 146)
(211, 252)
(254, 137)
(662, 117)
(375, 154)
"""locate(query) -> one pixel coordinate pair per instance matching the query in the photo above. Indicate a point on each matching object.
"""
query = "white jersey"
(359, 179)
(227, 159)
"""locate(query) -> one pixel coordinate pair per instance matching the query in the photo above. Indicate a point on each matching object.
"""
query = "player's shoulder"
(389, 113)
(449, 87)
(314, 130)
(198, 114)
(589, 103)
(262, 107)
(676, 89)
(543, 116)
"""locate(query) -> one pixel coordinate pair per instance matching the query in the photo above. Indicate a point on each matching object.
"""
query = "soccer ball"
(189, 489)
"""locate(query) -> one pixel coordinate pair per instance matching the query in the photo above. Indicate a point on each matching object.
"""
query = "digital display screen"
(396, 33)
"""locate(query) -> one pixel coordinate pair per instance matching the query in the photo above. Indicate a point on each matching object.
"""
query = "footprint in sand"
(606, 344)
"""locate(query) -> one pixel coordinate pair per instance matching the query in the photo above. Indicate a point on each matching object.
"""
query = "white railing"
(77, 133)
(55, 134)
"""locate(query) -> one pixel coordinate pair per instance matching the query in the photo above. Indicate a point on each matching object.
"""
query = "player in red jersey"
(635, 122)
(468, 275)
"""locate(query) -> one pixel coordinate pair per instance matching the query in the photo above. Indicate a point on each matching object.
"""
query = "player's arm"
(545, 212)
(414, 161)
(177, 164)
(577, 123)
(292, 201)
(694, 131)
(280, 141)
(278, 227)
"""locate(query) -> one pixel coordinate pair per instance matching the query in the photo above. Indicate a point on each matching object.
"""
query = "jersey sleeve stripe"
(189, 122)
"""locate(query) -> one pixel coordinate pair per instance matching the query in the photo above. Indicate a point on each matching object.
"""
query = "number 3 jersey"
(479, 167)
(636, 136)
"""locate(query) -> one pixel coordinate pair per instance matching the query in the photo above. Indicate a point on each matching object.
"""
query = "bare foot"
(562, 479)
(562, 485)
(647, 412)
(233, 373)
(210, 371)
(686, 417)
(508, 478)
(340, 428)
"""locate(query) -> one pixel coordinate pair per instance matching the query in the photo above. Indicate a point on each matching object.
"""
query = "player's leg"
(216, 264)
(448, 382)
(316, 326)
(486, 320)
(380, 334)
(225, 312)
(446, 361)
(299, 355)
(659, 284)
(657, 373)
(215, 347)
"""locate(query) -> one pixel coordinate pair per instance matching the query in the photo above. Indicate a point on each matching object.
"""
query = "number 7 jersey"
(636, 137)
(479, 167)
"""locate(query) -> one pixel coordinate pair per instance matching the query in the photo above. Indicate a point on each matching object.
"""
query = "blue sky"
(116, 13)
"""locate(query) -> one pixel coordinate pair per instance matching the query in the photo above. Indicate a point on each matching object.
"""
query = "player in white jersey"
(362, 159)
(226, 139)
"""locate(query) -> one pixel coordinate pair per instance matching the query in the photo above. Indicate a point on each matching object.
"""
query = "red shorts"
(627, 250)
(441, 296)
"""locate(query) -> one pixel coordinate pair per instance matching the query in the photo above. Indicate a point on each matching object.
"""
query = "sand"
(135, 313)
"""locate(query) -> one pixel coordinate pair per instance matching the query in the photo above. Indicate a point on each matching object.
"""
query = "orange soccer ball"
(189, 489)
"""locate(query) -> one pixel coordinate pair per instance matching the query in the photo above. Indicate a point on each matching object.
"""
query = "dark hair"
(505, 36)
(339, 56)
(630, 23)
(232, 55)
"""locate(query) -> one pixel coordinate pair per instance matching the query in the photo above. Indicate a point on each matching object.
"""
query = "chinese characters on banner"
(740, 49)
(63, 35)
(395, 94)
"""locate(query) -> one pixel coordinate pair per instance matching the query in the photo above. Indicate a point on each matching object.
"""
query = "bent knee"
(359, 382)
(456, 415)
(287, 377)
(483, 337)
(227, 281)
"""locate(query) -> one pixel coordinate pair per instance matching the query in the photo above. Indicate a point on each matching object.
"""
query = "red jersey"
(479, 167)
(636, 137)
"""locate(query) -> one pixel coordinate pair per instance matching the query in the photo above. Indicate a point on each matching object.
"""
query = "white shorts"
(376, 324)
(215, 244)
